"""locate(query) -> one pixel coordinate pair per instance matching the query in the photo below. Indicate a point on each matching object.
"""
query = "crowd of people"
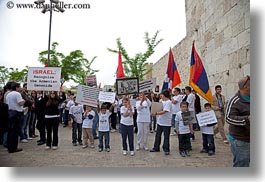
(21, 111)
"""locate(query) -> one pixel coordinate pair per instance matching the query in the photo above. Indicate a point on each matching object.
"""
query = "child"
(183, 131)
(103, 127)
(207, 135)
(89, 116)
(127, 112)
(76, 112)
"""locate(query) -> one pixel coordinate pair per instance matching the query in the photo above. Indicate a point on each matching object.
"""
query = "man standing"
(176, 100)
(15, 113)
(190, 99)
(238, 116)
(219, 109)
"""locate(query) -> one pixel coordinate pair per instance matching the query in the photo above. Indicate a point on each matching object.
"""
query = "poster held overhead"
(127, 86)
(87, 95)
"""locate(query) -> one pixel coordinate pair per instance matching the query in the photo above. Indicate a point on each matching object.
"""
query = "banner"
(205, 118)
(44, 78)
(87, 95)
(147, 84)
(91, 80)
(107, 96)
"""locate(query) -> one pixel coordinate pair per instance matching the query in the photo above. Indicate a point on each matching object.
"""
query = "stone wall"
(221, 30)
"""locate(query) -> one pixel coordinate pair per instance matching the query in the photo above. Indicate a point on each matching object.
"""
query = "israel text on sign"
(107, 96)
(87, 95)
(205, 118)
(147, 84)
(44, 78)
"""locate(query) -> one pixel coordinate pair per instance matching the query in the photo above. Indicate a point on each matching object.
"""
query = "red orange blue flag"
(172, 78)
(198, 77)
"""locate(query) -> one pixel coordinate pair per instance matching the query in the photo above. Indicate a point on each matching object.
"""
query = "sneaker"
(47, 147)
(132, 153)
(14, 151)
(24, 141)
(41, 143)
(173, 134)
(124, 152)
(153, 150)
(182, 154)
(226, 142)
(74, 144)
(146, 148)
(187, 153)
(84, 146)
(96, 137)
(166, 153)
(203, 151)
(54, 147)
(92, 146)
(29, 138)
(108, 149)
(137, 147)
(100, 149)
(210, 153)
(80, 143)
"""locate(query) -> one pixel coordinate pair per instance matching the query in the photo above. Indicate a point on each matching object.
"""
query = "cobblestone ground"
(74, 156)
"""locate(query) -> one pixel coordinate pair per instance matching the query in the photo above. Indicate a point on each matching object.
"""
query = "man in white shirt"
(191, 107)
(176, 100)
(15, 107)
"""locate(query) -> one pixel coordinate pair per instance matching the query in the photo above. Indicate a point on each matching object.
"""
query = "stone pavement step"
(68, 155)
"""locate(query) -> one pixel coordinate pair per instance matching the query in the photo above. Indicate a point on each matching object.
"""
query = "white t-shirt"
(176, 107)
(143, 112)
(103, 124)
(77, 111)
(191, 100)
(12, 99)
(165, 119)
(181, 127)
(207, 130)
(87, 123)
(70, 103)
(128, 121)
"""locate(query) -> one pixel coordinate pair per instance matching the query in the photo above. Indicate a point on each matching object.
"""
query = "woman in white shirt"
(143, 120)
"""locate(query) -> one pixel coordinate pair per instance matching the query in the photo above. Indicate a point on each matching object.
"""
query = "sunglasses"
(248, 78)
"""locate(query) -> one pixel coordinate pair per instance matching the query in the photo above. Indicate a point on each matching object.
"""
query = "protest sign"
(44, 78)
(156, 107)
(87, 95)
(126, 86)
(205, 118)
(106, 96)
(147, 84)
(91, 80)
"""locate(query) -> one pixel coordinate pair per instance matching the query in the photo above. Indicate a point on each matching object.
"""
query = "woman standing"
(143, 120)
(52, 119)
(32, 121)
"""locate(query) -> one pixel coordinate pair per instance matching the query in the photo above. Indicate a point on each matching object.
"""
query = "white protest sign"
(106, 96)
(156, 107)
(147, 84)
(205, 118)
(44, 78)
(87, 95)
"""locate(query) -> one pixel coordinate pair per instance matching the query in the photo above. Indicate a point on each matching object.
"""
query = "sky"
(24, 32)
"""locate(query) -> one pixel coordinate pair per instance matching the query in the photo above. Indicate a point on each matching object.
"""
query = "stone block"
(208, 36)
(238, 27)
(219, 39)
(227, 33)
(244, 38)
(246, 69)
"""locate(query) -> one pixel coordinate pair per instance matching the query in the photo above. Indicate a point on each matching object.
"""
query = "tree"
(73, 66)
(136, 66)
(4, 75)
(18, 76)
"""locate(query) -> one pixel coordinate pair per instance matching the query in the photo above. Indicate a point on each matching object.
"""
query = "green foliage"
(136, 66)
(74, 66)
(18, 76)
(4, 75)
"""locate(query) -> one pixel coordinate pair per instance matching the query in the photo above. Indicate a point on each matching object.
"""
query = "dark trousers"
(65, 117)
(135, 121)
(104, 134)
(32, 124)
(41, 127)
(208, 142)
(159, 131)
(127, 132)
(95, 125)
(52, 125)
(13, 130)
(76, 128)
(184, 142)
(113, 119)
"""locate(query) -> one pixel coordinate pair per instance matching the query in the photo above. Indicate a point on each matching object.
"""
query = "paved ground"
(74, 156)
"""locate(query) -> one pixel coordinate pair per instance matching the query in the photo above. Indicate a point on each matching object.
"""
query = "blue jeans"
(95, 124)
(23, 126)
(65, 117)
(208, 142)
(127, 132)
(153, 123)
(173, 120)
(104, 134)
(241, 153)
(76, 127)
